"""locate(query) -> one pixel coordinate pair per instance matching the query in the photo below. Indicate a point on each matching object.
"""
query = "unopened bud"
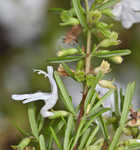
(67, 52)
(127, 131)
(107, 12)
(96, 15)
(109, 42)
(71, 21)
(57, 114)
(114, 35)
(107, 84)
(116, 59)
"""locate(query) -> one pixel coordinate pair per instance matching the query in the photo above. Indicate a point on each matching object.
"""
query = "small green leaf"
(55, 138)
(32, 120)
(42, 142)
(106, 53)
(65, 59)
(93, 117)
(116, 98)
(108, 4)
(84, 139)
(78, 133)
(103, 127)
(79, 12)
(68, 132)
(64, 93)
(98, 104)
(41, 122)
(90, 139)
(127, 102)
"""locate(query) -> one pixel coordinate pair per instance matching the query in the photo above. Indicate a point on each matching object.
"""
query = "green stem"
(88, 58)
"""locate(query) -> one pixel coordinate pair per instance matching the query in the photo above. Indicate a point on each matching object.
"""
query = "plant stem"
(88, 58)
(87, 70)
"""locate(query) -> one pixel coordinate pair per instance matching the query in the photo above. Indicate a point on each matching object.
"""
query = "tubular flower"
(50, 99)
(128, 12)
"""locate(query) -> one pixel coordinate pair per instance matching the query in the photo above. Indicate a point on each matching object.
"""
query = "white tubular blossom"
(50, 99)
(128, 12)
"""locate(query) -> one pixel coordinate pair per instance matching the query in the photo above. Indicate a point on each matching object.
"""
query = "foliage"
(86, 127)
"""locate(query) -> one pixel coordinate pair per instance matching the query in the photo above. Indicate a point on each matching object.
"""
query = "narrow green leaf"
(57, 129)
(32, 120)
(64, 93)
(79, 12)
(127, 102)
(42, 142)
(68, 70)
(78, 133)
(103, 127)
(93, 117)
(89, 101)
(23, 132)
(91, 91)
(116, 138)
(55, 138)
(41, 123)
(116, 98)
(108, 4)
(56, 60)
(56, 10)
(121, 99)
(90, 139)
(84, 139)
(68, 132)
(106, 53)
(98, 104)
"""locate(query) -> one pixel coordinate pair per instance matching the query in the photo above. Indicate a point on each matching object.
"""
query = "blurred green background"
(22, 49)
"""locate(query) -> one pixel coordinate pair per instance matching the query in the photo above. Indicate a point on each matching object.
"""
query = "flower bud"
(71, 21)
(116, 59)
(114, 35)
(104, 68)
(57, 114)
(135, 131)
(109, 42)
(79, 76)
(96, 15)
(107, 84)
(66, 52)
(127, 131)
(107, 12)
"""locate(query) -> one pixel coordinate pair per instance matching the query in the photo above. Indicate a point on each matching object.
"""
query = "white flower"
(50, 99)
(128, 12)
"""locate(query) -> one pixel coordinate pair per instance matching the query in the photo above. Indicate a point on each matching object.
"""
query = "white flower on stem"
(128, 12)
(50, 99)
